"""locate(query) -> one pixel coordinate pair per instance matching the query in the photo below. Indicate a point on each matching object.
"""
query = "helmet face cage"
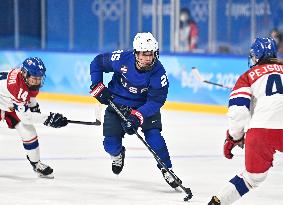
(262, 49)
(144, 42)
(33, 67)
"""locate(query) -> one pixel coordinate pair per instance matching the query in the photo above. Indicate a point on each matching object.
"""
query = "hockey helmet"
(145, 42)
(33, 67)
(263, 48)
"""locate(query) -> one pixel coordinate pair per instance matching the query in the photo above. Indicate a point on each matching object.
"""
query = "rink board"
(68, 77)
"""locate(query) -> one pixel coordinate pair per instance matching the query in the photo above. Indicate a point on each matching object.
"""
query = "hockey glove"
(133, 122)
(101, 93)
(230, 143)
(56, 120)
(35, 108)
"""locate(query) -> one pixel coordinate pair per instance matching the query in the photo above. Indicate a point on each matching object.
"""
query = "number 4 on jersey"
(274, 85)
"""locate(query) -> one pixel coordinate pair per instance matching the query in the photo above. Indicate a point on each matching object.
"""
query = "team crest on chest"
(124, 69)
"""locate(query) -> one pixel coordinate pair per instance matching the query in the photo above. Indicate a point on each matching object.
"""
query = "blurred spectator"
(277, 36)
(188, 33)
(224, 49)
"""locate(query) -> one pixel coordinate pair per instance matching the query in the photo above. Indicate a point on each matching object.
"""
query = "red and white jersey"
(256, 101)
(15, 96)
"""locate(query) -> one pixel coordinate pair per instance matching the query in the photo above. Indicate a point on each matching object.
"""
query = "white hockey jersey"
(256, 100)
(15, 96)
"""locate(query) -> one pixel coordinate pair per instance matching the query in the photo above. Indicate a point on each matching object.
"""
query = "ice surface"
(83, 173)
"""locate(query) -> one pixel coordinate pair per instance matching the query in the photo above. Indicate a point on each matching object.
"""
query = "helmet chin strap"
(30, 87)
(252, 61)
(144, 68)
(34, 87)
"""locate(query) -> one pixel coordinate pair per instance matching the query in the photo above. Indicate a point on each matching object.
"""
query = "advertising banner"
(68, 73)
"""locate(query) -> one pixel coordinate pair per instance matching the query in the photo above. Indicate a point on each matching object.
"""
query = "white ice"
(83, 173)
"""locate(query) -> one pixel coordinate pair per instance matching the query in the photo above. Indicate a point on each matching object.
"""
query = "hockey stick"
(201, 79)
(96, 122)
(159, 161)
(97, 109)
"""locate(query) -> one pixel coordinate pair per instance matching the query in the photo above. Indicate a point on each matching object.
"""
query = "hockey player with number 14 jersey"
(255, 104)
(20, 110)
(139, 88)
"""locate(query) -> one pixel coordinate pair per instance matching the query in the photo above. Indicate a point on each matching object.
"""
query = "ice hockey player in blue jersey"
(139, 88)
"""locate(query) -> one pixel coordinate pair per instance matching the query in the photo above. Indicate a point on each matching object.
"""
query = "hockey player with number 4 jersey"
(139, 88)
(255, 107)
(20, 110)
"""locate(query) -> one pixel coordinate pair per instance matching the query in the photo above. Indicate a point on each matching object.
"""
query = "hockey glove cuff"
(230, 143)
(134, 121)
(101, 93)
(35, 108)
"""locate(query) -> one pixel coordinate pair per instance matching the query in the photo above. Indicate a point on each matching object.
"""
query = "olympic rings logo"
(199, 10)
(107, 9)
(82, 76)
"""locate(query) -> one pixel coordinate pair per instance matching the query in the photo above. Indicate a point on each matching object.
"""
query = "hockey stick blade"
(97, 122)
(198, 76)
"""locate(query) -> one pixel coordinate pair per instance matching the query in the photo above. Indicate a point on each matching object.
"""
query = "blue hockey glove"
(133, 122)
(56, 120)
(101, 93)
(35, 108)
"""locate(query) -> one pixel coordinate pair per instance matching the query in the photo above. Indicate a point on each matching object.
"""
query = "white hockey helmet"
(145, 42)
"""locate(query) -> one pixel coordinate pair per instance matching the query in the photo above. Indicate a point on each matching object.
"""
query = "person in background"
(255, 119)
(277, 36)
(20, 109)
(188, 32)
(139, 88)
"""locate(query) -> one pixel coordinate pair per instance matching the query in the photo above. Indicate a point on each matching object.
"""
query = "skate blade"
(50, 176)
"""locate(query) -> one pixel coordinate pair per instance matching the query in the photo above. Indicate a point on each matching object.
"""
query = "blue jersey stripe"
(240, 185)
(240, 101)
(30, 146)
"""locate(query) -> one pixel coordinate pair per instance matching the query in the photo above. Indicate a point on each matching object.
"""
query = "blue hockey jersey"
(145, 91)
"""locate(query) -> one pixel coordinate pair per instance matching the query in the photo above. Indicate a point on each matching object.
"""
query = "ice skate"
(169, 179)
(118, 162)
(214, 201)
(42, 170)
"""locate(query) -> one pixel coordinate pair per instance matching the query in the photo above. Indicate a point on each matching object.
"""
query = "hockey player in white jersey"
(256, 101)
(20, 110)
